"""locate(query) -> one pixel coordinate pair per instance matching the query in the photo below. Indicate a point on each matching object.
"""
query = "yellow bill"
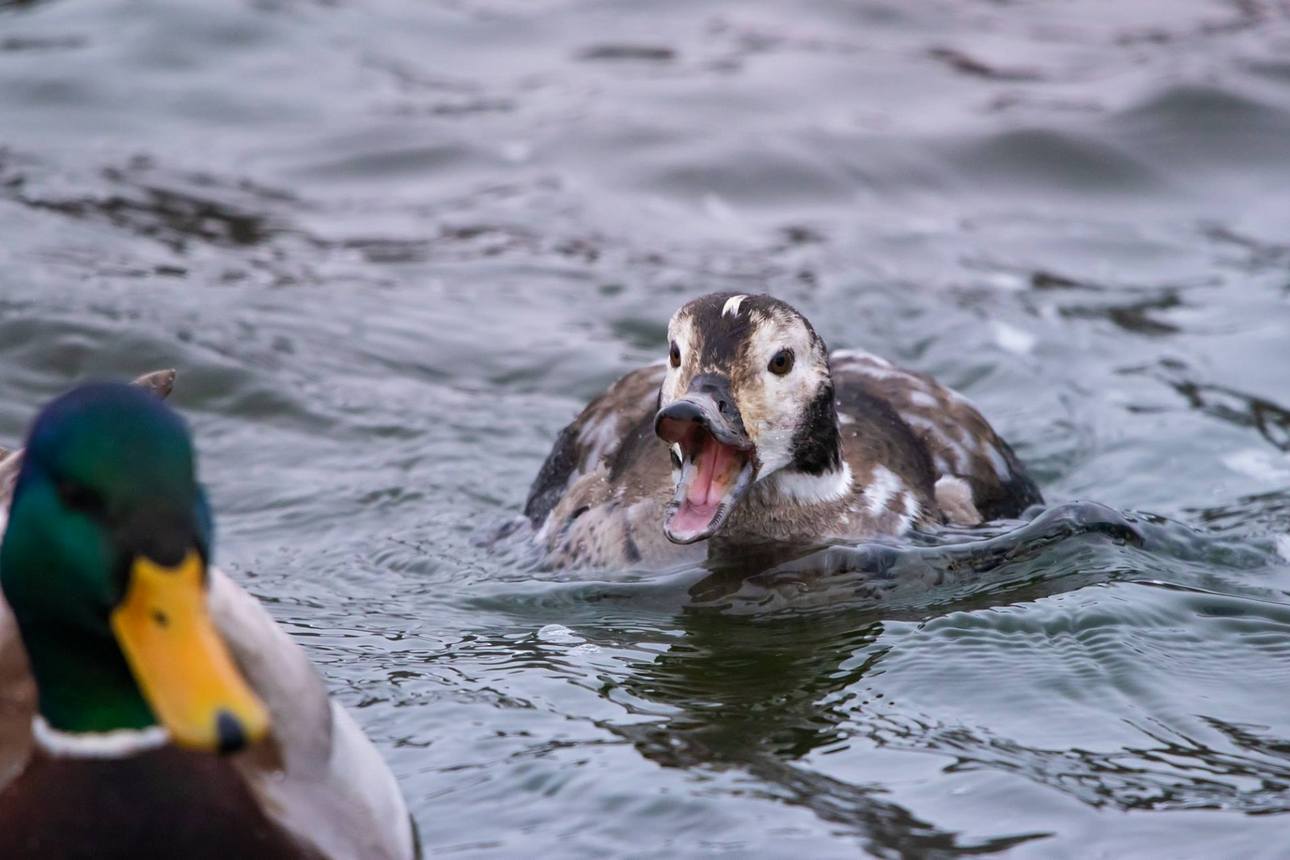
(181, 663)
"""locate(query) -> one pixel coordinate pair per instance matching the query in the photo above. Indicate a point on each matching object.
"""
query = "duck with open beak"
(712, 456)
(773, 440)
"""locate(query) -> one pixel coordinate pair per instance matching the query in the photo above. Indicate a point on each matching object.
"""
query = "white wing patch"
(731, 307)
(600, 436)
(996, 460)
(911, 509)
(923, 400)
(882, 489)
(961, 459)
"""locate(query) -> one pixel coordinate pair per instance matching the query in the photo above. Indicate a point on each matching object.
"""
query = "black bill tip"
(230, 734)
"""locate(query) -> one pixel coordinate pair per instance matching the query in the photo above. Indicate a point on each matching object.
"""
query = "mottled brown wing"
(598, 434)
(600, 497)
(960, 442)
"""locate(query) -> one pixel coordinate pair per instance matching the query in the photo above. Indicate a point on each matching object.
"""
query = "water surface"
(392, 247)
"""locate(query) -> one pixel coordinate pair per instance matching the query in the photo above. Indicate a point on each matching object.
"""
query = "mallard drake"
(750, 432)
(149, 707)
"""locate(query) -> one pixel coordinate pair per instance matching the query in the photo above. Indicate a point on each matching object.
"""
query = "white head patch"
(731, 307)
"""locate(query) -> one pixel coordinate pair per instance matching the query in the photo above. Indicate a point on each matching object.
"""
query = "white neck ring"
(118, 743)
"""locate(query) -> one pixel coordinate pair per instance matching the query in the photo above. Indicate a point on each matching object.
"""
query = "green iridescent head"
(103, 563)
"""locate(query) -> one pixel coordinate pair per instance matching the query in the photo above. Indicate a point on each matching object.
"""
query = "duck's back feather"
(959, 441)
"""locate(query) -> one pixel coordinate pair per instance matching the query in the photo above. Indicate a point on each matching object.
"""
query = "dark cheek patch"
(816, 447)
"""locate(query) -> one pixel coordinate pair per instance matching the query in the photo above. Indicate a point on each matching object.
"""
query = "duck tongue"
(711, 482)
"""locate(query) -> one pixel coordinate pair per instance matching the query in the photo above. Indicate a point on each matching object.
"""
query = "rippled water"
(393, 246)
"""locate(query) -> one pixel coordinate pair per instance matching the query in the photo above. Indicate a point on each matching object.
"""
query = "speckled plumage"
(917, 453)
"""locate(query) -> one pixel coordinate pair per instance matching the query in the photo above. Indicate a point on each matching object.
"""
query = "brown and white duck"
(751, 432)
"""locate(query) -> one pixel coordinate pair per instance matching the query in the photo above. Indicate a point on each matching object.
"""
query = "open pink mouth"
(714, 476)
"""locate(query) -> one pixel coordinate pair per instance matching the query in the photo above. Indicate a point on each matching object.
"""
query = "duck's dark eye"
(78, 497)
(781, 363)
(674, 355)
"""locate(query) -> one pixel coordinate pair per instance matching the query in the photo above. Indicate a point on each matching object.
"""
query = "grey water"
(392, 247)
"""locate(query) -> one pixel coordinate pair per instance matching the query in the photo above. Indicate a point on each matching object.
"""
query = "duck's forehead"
(115, 445)
(721, 326)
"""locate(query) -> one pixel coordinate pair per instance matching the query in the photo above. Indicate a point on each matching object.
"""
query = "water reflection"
(769, 664)
(774, 666)
(742, 694)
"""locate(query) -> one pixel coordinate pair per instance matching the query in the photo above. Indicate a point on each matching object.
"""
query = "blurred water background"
(392, 247)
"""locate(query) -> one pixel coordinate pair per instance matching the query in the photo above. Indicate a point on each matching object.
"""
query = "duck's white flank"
(118, 743)
(731, 307)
